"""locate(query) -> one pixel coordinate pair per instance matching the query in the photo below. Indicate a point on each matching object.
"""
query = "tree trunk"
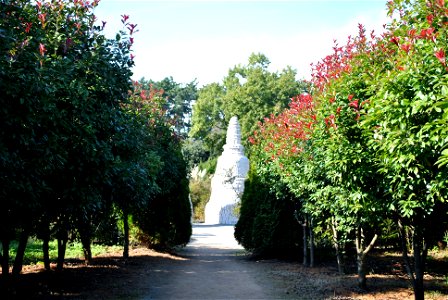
(311, 243)
(362, 274)
(361, 253)
(420, 252)
(44, 234)
(18, 261)
(337, 247)
(126, 234)
(86, 238)
(305, 243)
(62, 246)
(5, 257)
(404, 250)
(87, 249)
(46, 251)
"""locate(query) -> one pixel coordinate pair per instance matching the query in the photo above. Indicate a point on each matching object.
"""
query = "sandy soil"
(213, 266)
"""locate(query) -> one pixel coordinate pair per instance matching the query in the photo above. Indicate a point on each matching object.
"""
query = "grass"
(34, 254)
(437, 254)
(429, 295)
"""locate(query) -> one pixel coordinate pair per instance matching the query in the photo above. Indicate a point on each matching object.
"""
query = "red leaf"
(395, 40)
(124, 18)
(441, 56)
(42, 49)
(354, 103)
(406, 47)
(42, 19)
(28, 26)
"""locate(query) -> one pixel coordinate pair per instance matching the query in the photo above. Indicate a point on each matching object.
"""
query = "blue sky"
(202, 40)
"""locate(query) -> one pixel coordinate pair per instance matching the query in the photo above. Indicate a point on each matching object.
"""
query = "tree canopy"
(367, 144)
(250, 92)
(179, 99)
(78, 139)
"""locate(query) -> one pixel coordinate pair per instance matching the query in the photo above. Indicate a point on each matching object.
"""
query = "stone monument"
(227, 184)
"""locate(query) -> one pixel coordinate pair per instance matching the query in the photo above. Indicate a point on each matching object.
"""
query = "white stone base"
(215, 213)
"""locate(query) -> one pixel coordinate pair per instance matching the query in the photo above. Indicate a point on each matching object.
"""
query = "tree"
(137, 161)
(266, 225)
(408, 121)
(208, 124)
(179, 100)
(76, 143)
(253, 93)
(160, 205)
(374, 144)
(250, 92)
(64, 83)
(341, 143)
(166, 220)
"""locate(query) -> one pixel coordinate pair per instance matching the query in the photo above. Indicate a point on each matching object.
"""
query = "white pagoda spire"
(228, 181)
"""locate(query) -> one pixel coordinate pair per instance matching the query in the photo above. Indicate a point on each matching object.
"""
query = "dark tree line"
(79, 140)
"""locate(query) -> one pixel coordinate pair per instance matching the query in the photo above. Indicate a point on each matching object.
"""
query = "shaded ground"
(213, 266)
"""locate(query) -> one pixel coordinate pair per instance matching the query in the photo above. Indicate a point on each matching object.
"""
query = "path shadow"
(204, 225)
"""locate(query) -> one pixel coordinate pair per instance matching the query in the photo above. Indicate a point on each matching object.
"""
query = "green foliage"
(208, 124)
(250, 92)
(267, 225)
(194, 152)
(209, 165)
(74, 141)
(178, 101)
(200, 194)
(167, 217)
(368, 144)
(406, 110)
(253, 93)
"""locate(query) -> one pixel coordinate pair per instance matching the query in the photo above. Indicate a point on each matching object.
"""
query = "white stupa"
(228, 180)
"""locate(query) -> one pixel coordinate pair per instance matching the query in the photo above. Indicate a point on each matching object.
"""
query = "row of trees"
(79, 141)
(367, 145)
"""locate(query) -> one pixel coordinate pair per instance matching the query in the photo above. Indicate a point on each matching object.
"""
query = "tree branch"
(370, 246)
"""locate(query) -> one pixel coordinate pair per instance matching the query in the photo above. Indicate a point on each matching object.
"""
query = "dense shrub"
(75, 139)
(166, 220)
(368, 144)
(267, 225)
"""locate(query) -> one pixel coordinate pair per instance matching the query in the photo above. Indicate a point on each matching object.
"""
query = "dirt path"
(212, 266)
